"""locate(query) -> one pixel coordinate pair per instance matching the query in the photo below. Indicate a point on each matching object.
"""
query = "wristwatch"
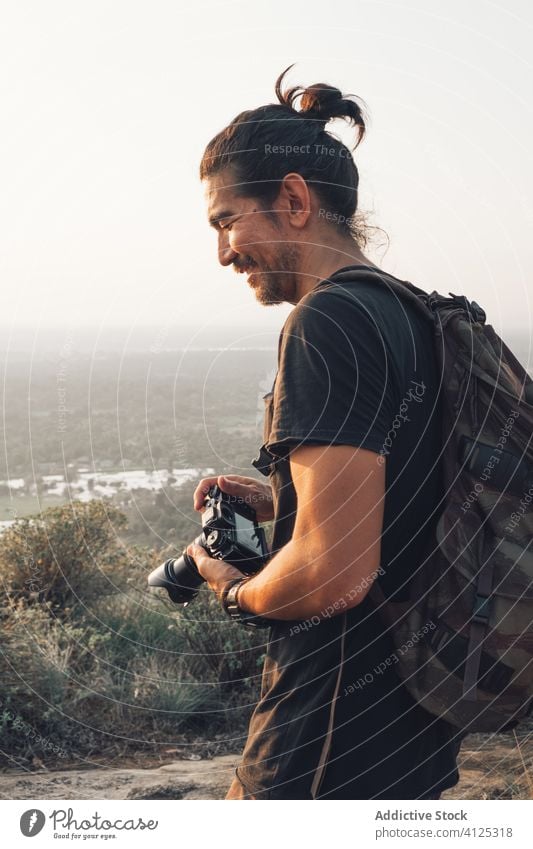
(229, 599)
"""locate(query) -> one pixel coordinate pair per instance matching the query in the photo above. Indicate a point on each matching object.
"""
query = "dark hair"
(263, 145)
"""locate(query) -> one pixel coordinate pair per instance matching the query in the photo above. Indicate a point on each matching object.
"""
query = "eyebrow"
(220, 216)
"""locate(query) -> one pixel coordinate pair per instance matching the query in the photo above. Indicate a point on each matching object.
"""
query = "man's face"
(255, 239)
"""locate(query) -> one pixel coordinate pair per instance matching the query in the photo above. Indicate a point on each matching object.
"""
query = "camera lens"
(179, 577)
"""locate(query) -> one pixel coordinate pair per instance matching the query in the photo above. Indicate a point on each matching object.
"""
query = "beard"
(276, 285)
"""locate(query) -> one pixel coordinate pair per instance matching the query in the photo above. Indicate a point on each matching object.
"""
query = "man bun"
(322, 103)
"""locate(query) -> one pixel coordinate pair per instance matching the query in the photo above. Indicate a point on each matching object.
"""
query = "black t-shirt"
(356, 367)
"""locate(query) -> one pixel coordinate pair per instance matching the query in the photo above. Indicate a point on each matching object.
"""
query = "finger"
(201, 491)
(198, 554)
(238, 479)
(231, 487)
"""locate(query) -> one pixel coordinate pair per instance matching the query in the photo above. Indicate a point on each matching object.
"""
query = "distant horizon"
(144, 344)
(162, 336)
(153, 338)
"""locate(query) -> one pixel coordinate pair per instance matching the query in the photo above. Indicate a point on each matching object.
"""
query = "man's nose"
(226, 254)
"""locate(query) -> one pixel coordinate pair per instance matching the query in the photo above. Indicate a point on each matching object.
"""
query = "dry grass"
(495, 767)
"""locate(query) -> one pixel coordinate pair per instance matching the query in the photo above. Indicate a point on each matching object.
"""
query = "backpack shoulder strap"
(404, 289)
(432, 306)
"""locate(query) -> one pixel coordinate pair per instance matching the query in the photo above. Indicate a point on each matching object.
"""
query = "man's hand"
(257, 494)
(217, 573)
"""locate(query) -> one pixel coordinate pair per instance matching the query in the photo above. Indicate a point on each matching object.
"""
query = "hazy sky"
(106, 108)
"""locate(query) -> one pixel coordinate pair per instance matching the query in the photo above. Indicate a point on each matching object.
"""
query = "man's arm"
(335, 549)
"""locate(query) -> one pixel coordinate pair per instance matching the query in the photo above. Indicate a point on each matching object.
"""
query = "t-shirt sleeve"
(335, 381)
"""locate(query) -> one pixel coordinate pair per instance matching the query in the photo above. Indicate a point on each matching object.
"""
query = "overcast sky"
(106, 108)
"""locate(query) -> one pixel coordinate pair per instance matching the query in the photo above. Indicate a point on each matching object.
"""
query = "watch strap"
(230, 603)
(226, 588)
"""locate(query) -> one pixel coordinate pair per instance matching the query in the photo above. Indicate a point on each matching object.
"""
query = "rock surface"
(489, 770)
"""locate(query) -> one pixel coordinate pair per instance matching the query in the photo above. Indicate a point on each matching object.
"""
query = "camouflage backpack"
(464, 640)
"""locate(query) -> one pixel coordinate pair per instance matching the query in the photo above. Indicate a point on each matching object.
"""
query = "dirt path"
(489, 770)
(181, 779)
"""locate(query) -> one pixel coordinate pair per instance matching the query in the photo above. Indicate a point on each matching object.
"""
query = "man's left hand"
(217, 573)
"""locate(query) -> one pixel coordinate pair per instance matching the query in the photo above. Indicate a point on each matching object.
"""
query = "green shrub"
(219, 649)
(67, 556)
(94, 661)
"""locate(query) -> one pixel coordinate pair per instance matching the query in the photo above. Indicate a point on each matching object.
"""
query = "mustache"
(243, 263)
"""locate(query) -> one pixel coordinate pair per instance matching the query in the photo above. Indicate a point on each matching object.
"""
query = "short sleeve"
(335, 381)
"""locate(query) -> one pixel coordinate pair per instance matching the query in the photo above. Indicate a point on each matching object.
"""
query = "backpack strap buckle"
(501, 470)
(265, 462)
(481, 610)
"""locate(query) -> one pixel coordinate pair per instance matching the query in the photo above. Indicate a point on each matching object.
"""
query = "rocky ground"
(491, 768)
(180, 779)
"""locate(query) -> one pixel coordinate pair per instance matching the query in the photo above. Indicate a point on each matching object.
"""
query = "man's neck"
(320, 266)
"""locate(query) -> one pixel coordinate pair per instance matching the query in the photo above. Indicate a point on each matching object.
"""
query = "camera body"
(229, 532)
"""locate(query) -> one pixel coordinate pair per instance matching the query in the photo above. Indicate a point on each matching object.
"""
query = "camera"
(229, 532)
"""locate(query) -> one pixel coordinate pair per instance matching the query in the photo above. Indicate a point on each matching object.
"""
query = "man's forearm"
(298, 584)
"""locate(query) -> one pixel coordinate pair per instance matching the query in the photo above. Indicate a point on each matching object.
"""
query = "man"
(352, 439)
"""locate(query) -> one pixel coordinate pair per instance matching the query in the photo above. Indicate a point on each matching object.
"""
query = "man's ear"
(295, 199)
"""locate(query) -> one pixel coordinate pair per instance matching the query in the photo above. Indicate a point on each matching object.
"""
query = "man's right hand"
(257, 494)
